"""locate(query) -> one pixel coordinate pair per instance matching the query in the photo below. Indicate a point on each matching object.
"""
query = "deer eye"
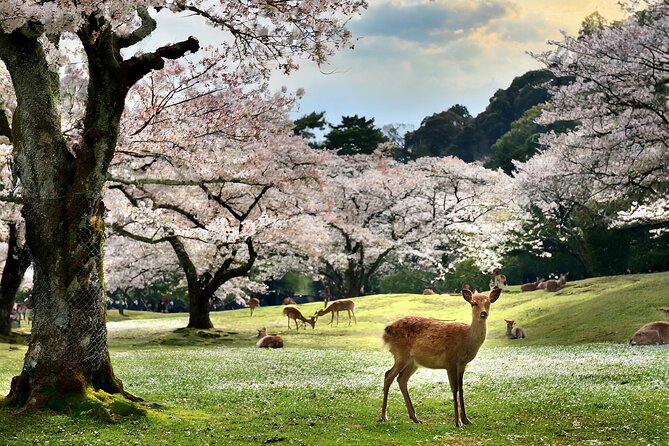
(474, 304)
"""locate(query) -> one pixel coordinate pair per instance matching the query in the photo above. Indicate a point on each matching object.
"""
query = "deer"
(336, 307)
(296, 315)
(288, 301)
(514, 332)
(651, 334)
(532, 285)
(268, 341)
(253, 303)
(418, 341)
(555, 284)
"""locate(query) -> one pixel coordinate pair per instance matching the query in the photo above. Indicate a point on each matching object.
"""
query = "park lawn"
(573, 381)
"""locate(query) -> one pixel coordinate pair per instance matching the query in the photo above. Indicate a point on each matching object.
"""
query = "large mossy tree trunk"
(62, 186)
(16, 264)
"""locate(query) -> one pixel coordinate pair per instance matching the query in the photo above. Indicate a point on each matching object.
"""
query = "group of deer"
(543, 284)
(294, 314)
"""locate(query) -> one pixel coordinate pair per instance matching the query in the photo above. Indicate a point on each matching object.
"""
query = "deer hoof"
(382, 419)
(417, 420)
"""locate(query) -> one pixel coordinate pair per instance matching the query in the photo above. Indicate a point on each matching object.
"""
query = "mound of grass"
(572, 381)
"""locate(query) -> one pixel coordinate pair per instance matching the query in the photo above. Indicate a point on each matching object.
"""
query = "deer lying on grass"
(554, 285)
(651, 334)
(268, 341)
(288, 301)
(296, 315)
(531, 286)
(253, 303)
(336, 307)
(417, 341)
(514, 332)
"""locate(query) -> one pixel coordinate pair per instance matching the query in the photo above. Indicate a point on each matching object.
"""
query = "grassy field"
(574, 381)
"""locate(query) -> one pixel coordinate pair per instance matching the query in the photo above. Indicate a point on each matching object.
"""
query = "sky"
(414, 58)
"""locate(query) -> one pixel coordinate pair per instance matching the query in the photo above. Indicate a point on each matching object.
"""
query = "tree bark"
(16, 264)
(63, 210)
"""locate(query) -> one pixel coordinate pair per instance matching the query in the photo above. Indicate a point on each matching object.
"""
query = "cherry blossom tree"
(62, 153)
(619, 101)
(211, 168)
(374, 213)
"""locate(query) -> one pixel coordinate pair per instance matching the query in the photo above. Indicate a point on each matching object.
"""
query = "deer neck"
(478, 330)
(508, 330)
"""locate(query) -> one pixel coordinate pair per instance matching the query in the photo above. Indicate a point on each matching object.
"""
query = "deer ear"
(494, 294)
(467, 294)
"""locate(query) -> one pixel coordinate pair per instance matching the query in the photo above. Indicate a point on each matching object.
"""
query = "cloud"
(430, 23)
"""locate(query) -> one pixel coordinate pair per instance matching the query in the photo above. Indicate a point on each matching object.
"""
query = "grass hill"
(603, 309)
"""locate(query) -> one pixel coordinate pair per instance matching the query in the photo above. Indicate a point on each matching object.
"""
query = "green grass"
(573, 381)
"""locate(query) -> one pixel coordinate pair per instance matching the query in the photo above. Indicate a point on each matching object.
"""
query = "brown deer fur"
(253, 303)
(651, 334)
(268, 341)
(514, 332)
(336, 307)
(294, 314)
(531, 286)
(417, 341)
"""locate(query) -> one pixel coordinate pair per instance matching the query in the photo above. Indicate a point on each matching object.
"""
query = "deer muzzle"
(483, 315)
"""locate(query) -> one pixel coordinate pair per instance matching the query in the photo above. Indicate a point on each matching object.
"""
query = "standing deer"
(514, 332)
(268, 341)
(336, 307)
(296, 315)
(417, 341)
(253, 303)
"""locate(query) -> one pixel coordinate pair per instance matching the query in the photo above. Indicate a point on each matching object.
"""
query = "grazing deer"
(268, 341)
(417, 341)
(651, 334)
(514, 332)
(531, 286)
(253, 303)
(336, 307)
(296, 315)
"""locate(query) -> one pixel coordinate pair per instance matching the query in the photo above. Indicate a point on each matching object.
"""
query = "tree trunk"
(198, 311)
(15, 268)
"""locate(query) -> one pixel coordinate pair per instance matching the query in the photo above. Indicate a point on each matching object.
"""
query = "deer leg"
(463, 413)
(332, 318)
(390, 376)
(337, 319)
(453, 382)
(349, 317)
(402, 381)
(354, 319)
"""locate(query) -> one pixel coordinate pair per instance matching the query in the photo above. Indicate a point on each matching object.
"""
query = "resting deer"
(651, 334)
(554, 285)
(296, 315)
(514, 332)
(288, 301)
(417, 341)
(531, 286)
(253, 303)
(268, 341)
(336, 307)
